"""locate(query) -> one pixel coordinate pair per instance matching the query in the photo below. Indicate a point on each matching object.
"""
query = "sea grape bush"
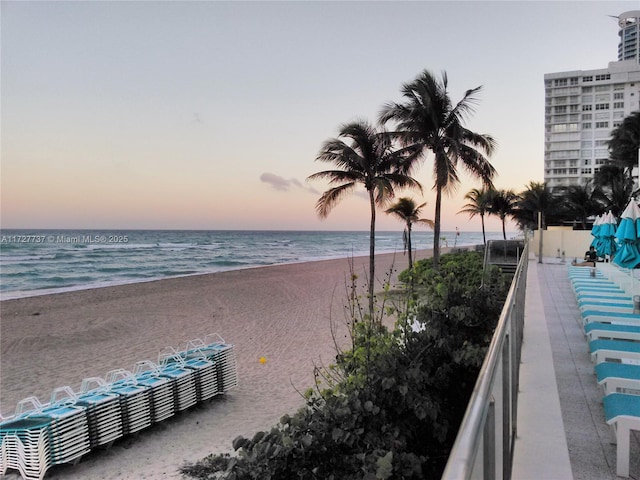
(390, 407)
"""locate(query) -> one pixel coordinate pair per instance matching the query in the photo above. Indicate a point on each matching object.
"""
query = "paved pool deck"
(562, 433)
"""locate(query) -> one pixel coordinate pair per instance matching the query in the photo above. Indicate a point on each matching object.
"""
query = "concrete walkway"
(562, 433)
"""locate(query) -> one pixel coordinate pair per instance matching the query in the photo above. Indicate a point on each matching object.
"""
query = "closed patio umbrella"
(595, 231)
(607, 243)
(628, 254)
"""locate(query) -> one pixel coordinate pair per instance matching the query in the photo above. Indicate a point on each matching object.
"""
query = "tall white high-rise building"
(629, 46)
(582, 107)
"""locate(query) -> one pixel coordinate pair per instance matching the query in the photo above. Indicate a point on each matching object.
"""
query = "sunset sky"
(209, 115)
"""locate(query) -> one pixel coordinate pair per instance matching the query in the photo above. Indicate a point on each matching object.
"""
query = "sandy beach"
(283, 313)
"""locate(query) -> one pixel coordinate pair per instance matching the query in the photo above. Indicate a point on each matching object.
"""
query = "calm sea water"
(34, 262)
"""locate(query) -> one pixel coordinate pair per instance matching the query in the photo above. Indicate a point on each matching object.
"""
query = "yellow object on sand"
(263, 360)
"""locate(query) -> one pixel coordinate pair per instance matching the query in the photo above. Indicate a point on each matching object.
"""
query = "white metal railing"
(484, 446)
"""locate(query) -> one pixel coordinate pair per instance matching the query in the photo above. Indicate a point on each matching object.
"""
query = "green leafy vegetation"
(390, 407)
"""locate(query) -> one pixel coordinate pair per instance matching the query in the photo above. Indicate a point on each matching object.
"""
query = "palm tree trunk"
(409, 244)
(484, 237)
(372, 253)
(504, 232)
(436, 229)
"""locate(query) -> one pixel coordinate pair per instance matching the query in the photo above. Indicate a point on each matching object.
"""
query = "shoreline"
(20, 294)
(292, 314)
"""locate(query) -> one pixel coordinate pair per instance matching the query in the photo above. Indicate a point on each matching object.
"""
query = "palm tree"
(580, 202)
(407, 211)
(503, 203)
(534, 199)
(479, 204)
(624, 145)
(429, 119)
(536, 202)
(614, 187)
(371, 160)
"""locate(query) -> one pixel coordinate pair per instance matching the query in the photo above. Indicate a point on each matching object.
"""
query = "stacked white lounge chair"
(605, 296)
(39, 436)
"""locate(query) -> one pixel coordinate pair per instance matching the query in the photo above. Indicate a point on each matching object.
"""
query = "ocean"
(36, 262)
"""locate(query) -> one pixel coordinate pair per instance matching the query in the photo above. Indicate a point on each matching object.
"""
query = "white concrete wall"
(562, 239)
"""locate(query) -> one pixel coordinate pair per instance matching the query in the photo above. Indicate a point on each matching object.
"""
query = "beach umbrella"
(627, 234)
(607, 231)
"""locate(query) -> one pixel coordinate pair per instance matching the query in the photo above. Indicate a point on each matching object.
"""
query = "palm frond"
(337, 176)
(425, 221)
(331, 197)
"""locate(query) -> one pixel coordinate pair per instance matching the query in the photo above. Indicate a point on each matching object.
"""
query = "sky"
(210, 115)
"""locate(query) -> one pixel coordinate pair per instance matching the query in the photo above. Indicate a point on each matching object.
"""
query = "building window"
(587, 89)
(618, 95)
(602, 125)
(587, 98)
(616, 124)
(602, 88)
(573, 171)
(587, 79)
(602, 106)
(586, 171)
(586, 108)
(618, 104)
(560, 82)
(586, 125)
(573, 81)
(604, 76)
(601, 161)
(586, 144)
(562, 109)
(587, 116)
(601, 143)
(618, 86)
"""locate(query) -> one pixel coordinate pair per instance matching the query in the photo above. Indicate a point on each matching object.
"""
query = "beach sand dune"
(283, 313)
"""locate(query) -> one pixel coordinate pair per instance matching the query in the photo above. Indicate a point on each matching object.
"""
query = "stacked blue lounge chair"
(42, 436)
(613, 333)
(135, 400)
(163, 404)
(104, 412)
(39, 436)
(214, 348)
